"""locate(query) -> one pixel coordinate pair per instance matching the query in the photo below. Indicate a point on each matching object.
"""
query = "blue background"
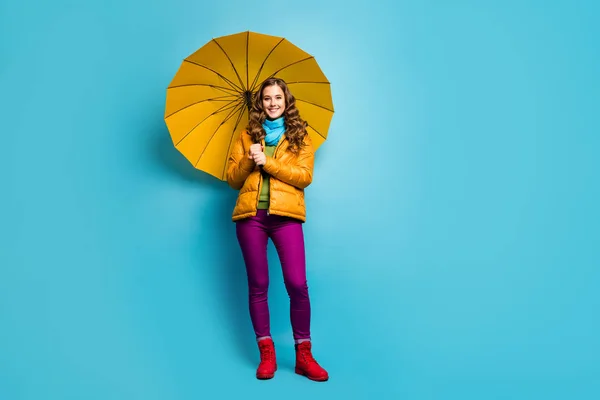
(452, 239)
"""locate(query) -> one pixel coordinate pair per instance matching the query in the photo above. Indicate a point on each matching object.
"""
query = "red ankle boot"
(306, 364)
(268, 365)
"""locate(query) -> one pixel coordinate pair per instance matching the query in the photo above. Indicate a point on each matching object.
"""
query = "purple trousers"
(287, 236)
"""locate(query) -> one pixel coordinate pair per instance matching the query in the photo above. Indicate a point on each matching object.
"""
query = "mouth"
(272, 110)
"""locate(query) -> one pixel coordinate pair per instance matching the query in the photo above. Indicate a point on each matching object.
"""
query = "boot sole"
(300, 372)
(266, 376)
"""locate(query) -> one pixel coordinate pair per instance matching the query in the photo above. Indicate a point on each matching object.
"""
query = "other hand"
(259, 158)
(255, 148)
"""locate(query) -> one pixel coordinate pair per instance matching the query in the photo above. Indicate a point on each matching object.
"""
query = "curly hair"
(295, 126)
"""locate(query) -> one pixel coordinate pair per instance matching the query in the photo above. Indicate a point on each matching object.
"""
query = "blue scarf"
(274, 130)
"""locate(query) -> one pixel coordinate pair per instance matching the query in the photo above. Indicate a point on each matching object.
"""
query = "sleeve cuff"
(246, 163)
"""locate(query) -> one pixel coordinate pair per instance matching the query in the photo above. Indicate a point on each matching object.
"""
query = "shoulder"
(308, 143)
(244, 133)
(245, 136)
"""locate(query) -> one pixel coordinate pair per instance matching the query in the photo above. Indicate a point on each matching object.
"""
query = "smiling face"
(273, 101)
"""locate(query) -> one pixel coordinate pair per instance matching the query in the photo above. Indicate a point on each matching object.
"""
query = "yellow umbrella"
(208, 99)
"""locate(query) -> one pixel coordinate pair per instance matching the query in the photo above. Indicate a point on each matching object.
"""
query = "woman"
(271, 164)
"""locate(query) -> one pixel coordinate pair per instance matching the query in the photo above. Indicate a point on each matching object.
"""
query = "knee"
(259, 286)
(297, 289)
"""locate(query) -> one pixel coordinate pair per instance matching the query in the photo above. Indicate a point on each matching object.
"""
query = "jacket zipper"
(259, 187)
(260, 179)
(274, 157)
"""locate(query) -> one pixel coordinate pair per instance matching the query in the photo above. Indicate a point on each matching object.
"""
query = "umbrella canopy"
(208, 99)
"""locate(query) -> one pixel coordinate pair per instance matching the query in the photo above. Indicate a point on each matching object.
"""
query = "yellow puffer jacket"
(290, 174)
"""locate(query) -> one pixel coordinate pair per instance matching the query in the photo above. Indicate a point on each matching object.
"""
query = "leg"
(252, 237)
(288, 237)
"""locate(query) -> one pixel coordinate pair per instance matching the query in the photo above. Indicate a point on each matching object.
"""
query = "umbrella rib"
(231, 140)
(232, 66)
(221, 88)
(233, 85)
(254, 81)
(289, 65)
(198, 102)
(224, 108)
(232, 112)
(314, 104)
(318, 133)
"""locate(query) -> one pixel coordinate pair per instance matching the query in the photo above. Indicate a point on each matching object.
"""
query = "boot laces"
(266, 353)
(307, 355)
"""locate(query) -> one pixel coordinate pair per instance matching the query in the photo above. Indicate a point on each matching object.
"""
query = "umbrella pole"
(248, 99)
